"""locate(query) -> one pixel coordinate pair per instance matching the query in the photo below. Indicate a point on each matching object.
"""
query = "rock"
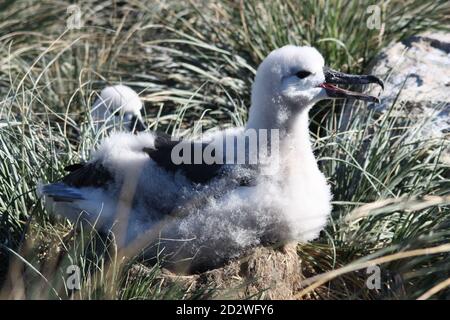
(421, 64)
(265, 273)
(417, 70)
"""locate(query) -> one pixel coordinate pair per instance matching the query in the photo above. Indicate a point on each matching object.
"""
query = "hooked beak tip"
(378, 81)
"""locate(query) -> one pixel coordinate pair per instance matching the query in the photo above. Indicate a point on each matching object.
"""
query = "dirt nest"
(265, 273)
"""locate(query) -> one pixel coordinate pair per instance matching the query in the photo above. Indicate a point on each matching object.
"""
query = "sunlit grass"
(197, 62)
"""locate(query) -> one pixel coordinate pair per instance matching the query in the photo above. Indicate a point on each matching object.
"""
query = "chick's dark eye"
(117, 113)
(302, 74)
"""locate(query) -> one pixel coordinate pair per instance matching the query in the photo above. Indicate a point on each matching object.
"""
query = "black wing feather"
(87, 175)
(196, 172)
(74, 166)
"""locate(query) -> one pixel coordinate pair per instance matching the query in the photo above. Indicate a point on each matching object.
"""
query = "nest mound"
(265, 273)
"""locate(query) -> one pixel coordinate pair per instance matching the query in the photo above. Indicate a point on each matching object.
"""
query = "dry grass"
(196, 62)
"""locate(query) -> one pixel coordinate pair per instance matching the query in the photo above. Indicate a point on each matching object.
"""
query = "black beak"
(333, 77)
(137, 125)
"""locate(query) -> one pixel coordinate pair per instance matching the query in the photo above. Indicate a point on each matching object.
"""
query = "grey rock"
(417, 78)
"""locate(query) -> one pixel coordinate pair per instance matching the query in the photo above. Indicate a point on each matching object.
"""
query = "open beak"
(333, 77)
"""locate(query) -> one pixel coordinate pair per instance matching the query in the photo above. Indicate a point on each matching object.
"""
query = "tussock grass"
(195, 62)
